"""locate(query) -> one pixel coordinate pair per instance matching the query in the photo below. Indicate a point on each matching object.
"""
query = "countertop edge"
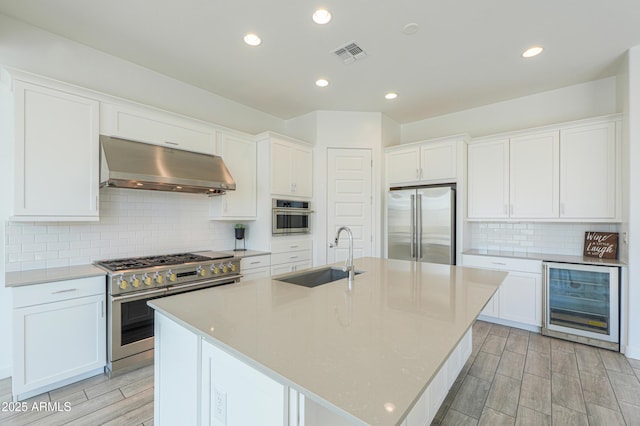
(43, 276)
(546, 257)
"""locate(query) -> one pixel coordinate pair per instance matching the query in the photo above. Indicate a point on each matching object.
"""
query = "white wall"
(631, 137)
(31, 49)
(585, 100)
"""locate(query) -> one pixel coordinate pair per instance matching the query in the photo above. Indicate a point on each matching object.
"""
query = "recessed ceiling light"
(322, 82)
(252, 39)
(532, 51)
(321, 16)
(391, 95)
(410, 29)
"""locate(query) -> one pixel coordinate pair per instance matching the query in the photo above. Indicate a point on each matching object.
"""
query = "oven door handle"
(178, 288)
(293, 211)
(142, 295)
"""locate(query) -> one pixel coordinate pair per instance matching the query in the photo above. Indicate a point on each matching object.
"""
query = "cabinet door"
(281, 171)
(234, 393)
(488, 180)
(588, 172)
(403, 166)
(438, 161)
(302, 171)
(239, 155)
(302, 265)
(534, 176)
(158, 128)
(521, 298)
(282, 269)
(493, 306)
(57, 341)
(56, 153)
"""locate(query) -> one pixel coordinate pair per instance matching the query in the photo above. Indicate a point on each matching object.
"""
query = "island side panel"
(177, 374)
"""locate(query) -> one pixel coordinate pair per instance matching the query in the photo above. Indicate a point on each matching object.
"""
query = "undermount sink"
(316, 277)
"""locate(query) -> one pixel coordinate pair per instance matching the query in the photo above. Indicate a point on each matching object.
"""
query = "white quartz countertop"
(368, 353)
(39, 276)
(547, 257)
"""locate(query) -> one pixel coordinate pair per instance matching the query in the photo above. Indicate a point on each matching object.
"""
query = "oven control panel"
(165, 276)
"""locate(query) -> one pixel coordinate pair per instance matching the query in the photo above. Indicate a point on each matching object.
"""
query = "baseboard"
(509, 323)
(632, 352)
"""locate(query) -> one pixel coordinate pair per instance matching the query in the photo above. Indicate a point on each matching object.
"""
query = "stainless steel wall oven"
(133, 282)
(291, 217)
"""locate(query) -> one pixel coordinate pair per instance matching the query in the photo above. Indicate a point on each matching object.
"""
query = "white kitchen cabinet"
(519, 298)
(423, 162)
(588, 166)
(146, 124)
(59, 334)
(253, 267)
(290, 255)
(234, 393)
(403, 165)
(239, 155)
(534, 176)
(291, 167)
(488, 179)
(56, 154)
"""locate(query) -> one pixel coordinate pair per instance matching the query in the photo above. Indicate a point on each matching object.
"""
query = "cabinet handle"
(172, 143)
(499, 263)
(64, 291)
(293, 257)
(293, 246)
(254, 263)
(417, 173)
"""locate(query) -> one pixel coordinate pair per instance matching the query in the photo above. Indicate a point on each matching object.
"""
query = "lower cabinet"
(290, 255)
(519, 298)
(59, 334)
(255, 267)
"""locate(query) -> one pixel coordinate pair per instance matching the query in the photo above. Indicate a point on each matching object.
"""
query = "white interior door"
(349, 201)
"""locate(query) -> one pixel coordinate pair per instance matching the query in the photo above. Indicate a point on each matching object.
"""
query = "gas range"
(169, 271)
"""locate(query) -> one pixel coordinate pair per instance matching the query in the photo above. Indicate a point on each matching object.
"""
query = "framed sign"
(603, 245)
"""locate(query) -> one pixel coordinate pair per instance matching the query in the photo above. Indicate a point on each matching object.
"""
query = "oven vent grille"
(350, 52)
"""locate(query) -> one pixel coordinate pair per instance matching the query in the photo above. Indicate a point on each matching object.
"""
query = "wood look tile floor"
(513, 377)
(124, 400)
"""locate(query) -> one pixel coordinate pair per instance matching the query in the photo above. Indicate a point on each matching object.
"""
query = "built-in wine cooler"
(582, 304)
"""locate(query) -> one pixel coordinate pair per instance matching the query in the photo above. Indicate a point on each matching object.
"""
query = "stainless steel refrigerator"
(421, 224)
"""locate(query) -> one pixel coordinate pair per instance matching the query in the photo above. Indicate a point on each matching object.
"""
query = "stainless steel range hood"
(137, 165)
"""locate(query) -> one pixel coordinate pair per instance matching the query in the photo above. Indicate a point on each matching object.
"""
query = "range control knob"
(122, 283)
(135, 281)
(215, 269)
(171, 276)
(232, 267)
(223, 267)
(159, 278)
(146, 279)
(201, 271)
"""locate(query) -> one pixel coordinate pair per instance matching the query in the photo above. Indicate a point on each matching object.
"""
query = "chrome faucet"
(348, 264)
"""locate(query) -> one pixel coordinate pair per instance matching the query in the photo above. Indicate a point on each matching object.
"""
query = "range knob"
(201, 271)
(215, 269)
(135, 281)
(171, 276)
(159, 278)
(146, 279)
(122, 283)
(223, 267)
(232, 267)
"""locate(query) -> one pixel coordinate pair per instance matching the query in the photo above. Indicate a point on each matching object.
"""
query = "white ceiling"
(465, 54)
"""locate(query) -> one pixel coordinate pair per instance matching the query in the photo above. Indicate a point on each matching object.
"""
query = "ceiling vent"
(350, 52)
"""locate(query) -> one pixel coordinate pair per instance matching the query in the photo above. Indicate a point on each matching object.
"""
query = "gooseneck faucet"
(348, 264)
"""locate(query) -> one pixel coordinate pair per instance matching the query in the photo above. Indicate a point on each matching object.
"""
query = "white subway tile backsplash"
(556, 238)
(132, 223)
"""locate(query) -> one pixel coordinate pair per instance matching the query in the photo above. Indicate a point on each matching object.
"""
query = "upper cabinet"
(56, 154)
(568, 173)
(239, 155)
(145, 124)
(291, 165)
(422, 162)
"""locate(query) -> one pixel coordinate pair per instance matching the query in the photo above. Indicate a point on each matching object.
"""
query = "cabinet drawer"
(59, 290)
(253, 262)
(502, 263)
(295, 256)
(256, 273)
(288, 245)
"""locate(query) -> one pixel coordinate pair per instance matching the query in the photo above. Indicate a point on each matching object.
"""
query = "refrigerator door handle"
(412, 230)
(419, 226)
(545, 294)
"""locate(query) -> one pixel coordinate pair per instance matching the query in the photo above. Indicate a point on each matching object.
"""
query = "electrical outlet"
(220, 405)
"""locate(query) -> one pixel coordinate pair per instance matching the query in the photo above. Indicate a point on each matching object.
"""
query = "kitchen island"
(276, 353)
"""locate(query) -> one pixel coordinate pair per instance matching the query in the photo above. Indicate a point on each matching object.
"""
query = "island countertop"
(368, 353)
